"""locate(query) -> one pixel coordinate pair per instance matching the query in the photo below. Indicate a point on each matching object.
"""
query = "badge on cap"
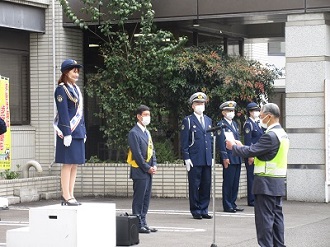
(200, 96)
(59, 98)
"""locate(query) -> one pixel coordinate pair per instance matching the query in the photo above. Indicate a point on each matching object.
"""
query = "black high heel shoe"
(79, 203)
(70, 202)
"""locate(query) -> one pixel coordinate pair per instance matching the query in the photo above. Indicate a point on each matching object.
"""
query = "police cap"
(228, 105)
(69, 64)
(252, 106)
(198, 97)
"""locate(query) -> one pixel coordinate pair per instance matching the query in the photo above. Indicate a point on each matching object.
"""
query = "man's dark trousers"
(268, 210)
(141, 198)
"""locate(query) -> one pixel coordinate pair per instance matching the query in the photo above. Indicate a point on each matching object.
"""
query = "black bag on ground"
(127, 230)
(3, 127)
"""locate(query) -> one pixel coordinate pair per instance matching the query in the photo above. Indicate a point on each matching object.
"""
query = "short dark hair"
(272, 109)
(141, 109)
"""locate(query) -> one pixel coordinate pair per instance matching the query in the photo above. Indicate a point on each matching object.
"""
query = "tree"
(222, 78)
(137, 63)
(144, 65)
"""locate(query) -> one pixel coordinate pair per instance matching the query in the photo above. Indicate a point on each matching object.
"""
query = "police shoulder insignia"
(247, 130)
(182, 127)
(219, 132)
(59, 98)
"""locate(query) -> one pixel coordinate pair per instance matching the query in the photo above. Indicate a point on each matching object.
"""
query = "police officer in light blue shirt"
(196, 147)
(231, 164)
(70, 129)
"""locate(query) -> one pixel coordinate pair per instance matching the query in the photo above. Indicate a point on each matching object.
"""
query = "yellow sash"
(150, 150)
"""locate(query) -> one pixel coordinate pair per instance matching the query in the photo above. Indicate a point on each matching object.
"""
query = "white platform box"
(3, 203)
(91, 224)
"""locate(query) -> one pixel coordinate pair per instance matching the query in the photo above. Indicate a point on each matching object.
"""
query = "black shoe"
(151, 229)
(144, 230)
(206, 216)
(79, 203)
(239, 209)
(197, 217)
(70, 202)
(231, 210)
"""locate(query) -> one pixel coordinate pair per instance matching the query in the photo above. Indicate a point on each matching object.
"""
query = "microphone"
(215, 128)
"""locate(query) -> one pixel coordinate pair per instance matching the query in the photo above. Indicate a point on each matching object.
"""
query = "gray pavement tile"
(306, 224)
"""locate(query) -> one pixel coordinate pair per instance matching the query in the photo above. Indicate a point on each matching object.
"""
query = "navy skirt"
(74, 154)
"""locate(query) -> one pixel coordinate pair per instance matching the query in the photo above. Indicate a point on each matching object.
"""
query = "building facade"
(35, 38)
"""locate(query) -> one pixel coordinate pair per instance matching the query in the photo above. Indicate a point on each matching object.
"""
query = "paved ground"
(306, 224)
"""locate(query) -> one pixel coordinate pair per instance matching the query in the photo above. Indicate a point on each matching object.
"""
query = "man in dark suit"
(196, 147)
(231, 164)
(142, 159)
(270, 167)
(252, 133)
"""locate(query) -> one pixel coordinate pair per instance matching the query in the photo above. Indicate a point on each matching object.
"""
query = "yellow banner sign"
(5, 139)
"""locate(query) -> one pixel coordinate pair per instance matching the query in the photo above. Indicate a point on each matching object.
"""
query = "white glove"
(85, 138)
(188, 164)
(67, 140)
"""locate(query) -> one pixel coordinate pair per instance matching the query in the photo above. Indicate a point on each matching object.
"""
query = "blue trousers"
(199, 178)
(230, 186)
(250, 178)
(141, 198)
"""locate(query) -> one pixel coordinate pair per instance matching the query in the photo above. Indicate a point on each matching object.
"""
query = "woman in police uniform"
(252, 133)
(70, 129)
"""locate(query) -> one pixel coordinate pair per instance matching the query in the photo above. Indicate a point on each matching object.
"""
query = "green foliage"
(8, 174)
(144, 65)
(94, 159)
(135, 67)
(164, 152)
(223, 78)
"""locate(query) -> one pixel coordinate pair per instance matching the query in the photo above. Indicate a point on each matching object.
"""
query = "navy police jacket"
(221, 141)
(196, 144)
(67, 109)
(252, 132)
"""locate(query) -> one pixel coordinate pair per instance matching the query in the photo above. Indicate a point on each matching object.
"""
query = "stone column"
(307, 39)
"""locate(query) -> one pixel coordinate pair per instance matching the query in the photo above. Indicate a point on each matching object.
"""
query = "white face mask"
(256, 114)
(199, 109)
(230, 115)
(145, 120)
(264, 125)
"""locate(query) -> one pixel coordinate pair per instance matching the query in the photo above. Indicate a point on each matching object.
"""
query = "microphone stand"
(213, 130)
(213, 189)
